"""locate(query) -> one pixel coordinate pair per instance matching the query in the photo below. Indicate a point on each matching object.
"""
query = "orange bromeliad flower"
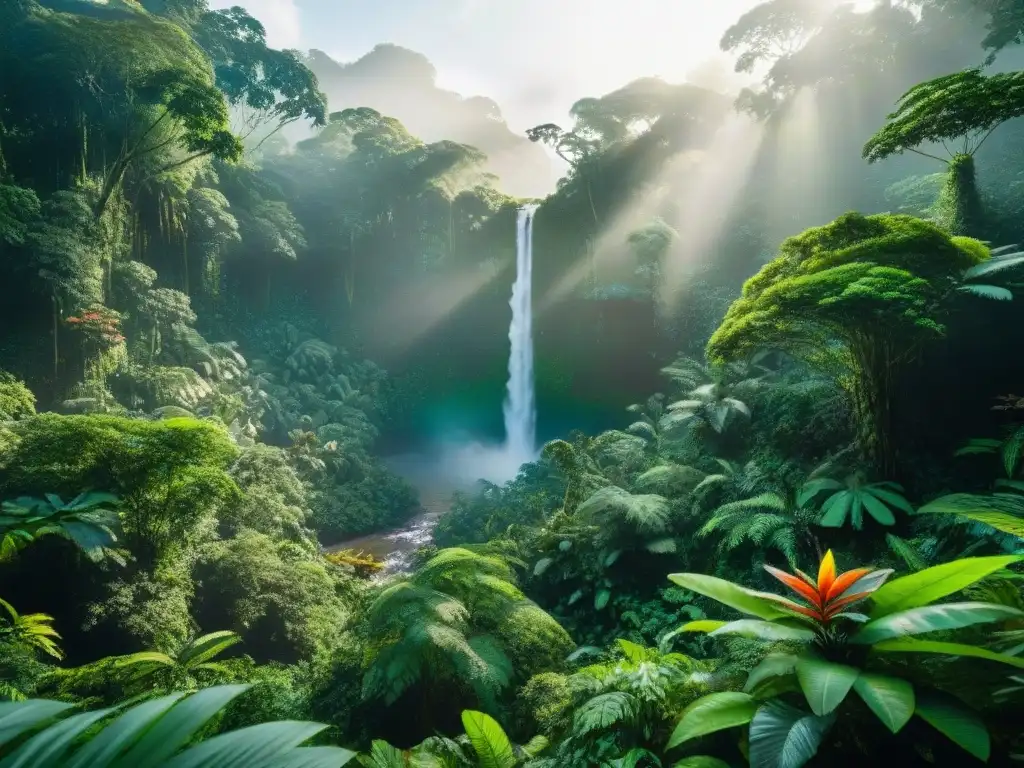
(829, 594)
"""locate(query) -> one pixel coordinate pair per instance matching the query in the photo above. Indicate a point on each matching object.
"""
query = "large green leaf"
(258, 746)
(491, 744)
(931, 584)
(21, 717)
(824, 683)
(383, 755)
(835, 509)
(153, 734)
(764, 630)
(700, 761)
(877, 509)
(913, 645)
(50, 745)
(932, 618)
(956, 723)
(773, 665)
(784, 737)
(890, 698)
(999, 511)
(711, 713)
(726, 592)
(108, 743)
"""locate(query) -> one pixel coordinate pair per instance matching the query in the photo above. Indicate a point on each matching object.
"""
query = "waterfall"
(520, 408)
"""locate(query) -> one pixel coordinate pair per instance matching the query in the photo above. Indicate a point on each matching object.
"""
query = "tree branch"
(983, 140)
(925, 154)
(186, 161)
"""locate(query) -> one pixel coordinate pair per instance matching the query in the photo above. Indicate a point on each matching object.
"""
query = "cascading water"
(520, 406)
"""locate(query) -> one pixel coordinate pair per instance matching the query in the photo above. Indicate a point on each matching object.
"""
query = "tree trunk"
(959, 205)
(110, 184)
(871, 396)
(56, 342)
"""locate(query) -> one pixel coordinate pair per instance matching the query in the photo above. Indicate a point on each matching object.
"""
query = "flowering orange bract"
(828, 594)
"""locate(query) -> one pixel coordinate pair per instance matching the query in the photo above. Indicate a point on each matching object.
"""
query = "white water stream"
(520, 405)
(459, 466)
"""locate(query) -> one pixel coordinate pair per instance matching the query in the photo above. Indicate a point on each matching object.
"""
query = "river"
(436, 477)
(396, 547)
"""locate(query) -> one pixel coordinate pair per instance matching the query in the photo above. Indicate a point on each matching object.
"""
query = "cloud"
(280, 17)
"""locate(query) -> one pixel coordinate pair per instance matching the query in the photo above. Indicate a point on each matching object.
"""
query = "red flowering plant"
(826, 648)
(99, 325)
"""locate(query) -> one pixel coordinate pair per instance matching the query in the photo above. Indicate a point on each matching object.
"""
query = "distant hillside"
(403, 84)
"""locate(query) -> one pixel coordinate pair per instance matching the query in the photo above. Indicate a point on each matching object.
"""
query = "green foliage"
(850, 299)
(283, 600)
(460, 623)
(274, 501)
(1002, 511)
(169, 475)
(965, 105)
(854, 498)
(159, 732)
(181, 671)
(272, 86)
(16, 400)
(32, 631)
(89, 520)
(832, 665)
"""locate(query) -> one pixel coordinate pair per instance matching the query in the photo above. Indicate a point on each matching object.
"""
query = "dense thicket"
(198, 249)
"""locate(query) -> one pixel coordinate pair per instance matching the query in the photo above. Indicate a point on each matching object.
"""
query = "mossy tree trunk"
(959, 205)
(871, 388)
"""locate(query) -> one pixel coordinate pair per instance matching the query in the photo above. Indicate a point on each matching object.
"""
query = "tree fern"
(458, 619)
(670, 480)
(767, 521)
(643, 513)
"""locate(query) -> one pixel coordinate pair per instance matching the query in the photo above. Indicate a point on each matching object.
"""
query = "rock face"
(401, 83)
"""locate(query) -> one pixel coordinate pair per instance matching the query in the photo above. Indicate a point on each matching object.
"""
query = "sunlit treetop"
(773, 30)
(270, 85)
(858, 276)
(965, 106)
(1005, 23)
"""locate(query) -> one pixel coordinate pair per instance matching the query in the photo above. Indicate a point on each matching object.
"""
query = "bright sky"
(534, 57)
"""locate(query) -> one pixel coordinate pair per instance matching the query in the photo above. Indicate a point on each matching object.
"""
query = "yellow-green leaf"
(932, 618)
(702, 625)
(733, 595)
(931, 584)
(491, 744)
(765, 630)
(913, 645)
(701, 761)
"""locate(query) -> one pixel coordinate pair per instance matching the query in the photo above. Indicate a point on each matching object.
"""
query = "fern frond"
(604, 711)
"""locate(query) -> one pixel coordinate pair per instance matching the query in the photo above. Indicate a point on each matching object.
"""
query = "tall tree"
(857, 298)
(959, 112)
(268, 88)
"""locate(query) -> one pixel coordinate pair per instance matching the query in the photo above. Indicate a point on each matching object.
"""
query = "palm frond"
(158, 732)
